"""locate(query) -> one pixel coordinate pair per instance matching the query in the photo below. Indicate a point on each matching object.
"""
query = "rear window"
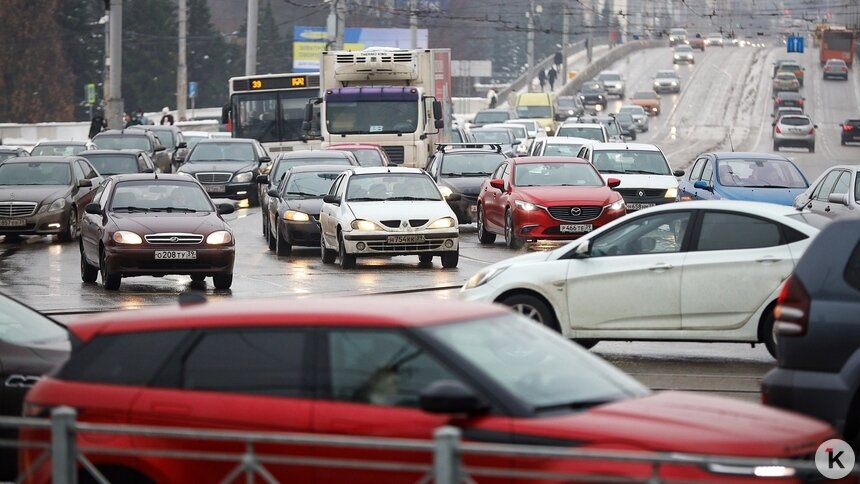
(852, 271)
(794, 121)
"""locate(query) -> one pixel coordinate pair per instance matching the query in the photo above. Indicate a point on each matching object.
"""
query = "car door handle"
(661, 267)
(767, 260)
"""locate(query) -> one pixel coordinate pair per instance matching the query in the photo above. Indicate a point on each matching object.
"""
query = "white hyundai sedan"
(694, 271)
(387, 211)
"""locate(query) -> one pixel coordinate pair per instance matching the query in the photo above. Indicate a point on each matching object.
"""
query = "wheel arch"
(564, 330)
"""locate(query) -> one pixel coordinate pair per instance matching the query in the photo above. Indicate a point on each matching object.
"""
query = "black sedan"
(227, 168)
(593, 94)
(850, 131)
(31, 345)
(293, 210)
(118, 162)
(462, 171)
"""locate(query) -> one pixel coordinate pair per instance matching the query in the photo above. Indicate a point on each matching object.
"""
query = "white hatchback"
(387, 211)
(694, 271)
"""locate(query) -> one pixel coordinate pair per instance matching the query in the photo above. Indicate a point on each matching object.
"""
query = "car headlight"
(446, 192)
(570, 112)
(364, 225)
(677, 56)
(295, 216)
(671, 193)
(442, 223)
(56, 206)
(548, 129)
(616, 205)
(244, 177)
(674, 83)
(126, 237)
(220, 237)
(484, 276)
(582, 97)
(523, 205)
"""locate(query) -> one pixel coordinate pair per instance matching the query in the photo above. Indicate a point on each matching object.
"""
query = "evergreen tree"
(273, 53)
(211, 60)
(150, 40)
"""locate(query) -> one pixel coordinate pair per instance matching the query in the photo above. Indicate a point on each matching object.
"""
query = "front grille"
(646, 192)
(418, 222)
(382, 246)
(395, 154)
(214, 177)
(586, 213)
(17, 209)
(177, 239)
(391, 223)
(394, 224)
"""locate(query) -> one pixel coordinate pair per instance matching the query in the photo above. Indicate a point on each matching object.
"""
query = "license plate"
(215, 188)
(575, 228)
(13, 222)
(405, 239)
(175, 254)
(473, 209)
(639, 206)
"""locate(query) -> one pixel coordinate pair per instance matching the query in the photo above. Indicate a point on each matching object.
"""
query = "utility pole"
(335, 24)
(106, 82)
(565, 35)
(413, 23)
(251, 39)
(340, 15)
(530, 46)
(114, 103)
(182, 68)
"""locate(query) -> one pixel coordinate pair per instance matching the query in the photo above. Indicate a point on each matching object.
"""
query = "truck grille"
(178, 239)
(395, 154)
(213, 177)
(570, 214)
(17, 209)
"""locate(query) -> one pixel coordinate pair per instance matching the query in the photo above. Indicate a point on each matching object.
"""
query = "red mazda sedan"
(549, 198)
(387, 367)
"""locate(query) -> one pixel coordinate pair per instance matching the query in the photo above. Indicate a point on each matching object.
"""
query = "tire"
(533, 308)
(282, 247)
(71, 231)
(484, 237)
(775, 146)
(253, 199)
(812, 148)
(425, 258)
(586, 343)
(450, 259)
(89, 273)
(198, 277)
(222, 281)
(843, 142)
(328, 256)
(511, 240)
(12, 238)
(347, 261)
(265, 225)
(272, 242)
(765, 332)
(110, 280)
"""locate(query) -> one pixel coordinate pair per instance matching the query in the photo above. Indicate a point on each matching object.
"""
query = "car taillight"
(792, 309)
(800, 102)
(778, 101)
(777, 129)
(812, 130)
(844, 69)
(847, 127)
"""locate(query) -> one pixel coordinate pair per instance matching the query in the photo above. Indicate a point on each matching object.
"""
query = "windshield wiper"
(769, 186)
(645, 172)
(178, 209)
(365, 199)
(130, 209)
(611, 171)
(412, 198)
(305, 194)
(475, 173)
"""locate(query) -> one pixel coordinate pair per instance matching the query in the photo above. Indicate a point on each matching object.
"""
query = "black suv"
(593, 94)
(136, 139)
(227, 167)
(818, 333)
(850, 131)
(461, 169)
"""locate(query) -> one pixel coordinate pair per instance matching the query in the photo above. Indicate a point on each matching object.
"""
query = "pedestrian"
(541, 78)
(143, 117)
(97, 124)
(166, 117)
(551, 75)
(133, 120)
(492, 98)
(558, 59)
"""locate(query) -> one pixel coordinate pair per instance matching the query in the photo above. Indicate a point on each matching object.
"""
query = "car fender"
(553, 290)
(749, 331)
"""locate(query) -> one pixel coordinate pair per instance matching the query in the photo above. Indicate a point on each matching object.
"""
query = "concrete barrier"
(606, 61)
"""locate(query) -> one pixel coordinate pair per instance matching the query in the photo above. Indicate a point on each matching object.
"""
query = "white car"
(694, 271)
(533, 127)
(386, 211)
(714, 40)
(578, 129)
(646, 178)
(520, 133)
(559, 146)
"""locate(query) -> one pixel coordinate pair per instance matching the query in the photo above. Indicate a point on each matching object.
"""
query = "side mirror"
(498, 184)
(225, 208)
(840, 198)
(263, 179)
(225, 114)
(333, 199)
(841, 125)
(702, 185)
(159, 148)
(437, 110)
(181, 145)
(273, 192)
(583, 250)
(438, 124)
(454, 197)
(773, 124)
(515, 143)
(265, 159)
(815, 126)
(678, 173)
(306, 126)
(93, 209)
(85, 183)
(451, 396)
(309, 112)
(613, 182)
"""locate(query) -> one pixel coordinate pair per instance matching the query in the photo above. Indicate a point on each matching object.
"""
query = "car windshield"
(759, 174)
(592, 89)
(57, 150)
(683, 48)
(493, 136)
(561, 149)
(470, 164)
(624, 118)
(21, 325)
(4, 155)
(645, 95)
(215, 151)
(286, 164)
(114, 164)
(609, 77)
(795, 121)
(666, 75)
(565, 102)
(534, 111)
(378, 187)
(556, 174)
(519, 131)
(631, 161)
(528, 125)
(35, 173)
(586, 132)
(310, 184)
(487, 117)
(371, 117)
(122, 142)
(159, 196)
(632, 110)
(534, 364)
(367, 157)
(166, 138)
(192, 140)
(786, 77)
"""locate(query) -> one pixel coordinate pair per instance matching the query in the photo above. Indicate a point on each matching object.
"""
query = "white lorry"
(396, 98)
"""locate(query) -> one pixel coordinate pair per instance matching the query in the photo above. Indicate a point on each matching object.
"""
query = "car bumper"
(305, 234)
(843, 75)
(641, 123)
(466, 208)
(789, 140)
(635, 203)
(850, 137)
(541, 225)
(141, 261)
(370, 244)
(614, 90)
(233, 191)
(667, 88)
(683, 59)
(38, 224)
(786, 87)
(825, 396)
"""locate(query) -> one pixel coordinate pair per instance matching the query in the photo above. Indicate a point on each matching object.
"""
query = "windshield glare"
(213, 151)
(20, 325)
(310, 184)
(391, 186)
(493, 136)
(161, 195)
(57, 150)
(610, 77)
(759, 173)
(534, 112)
(113, 164)
(631, 161)
(559, 149)
(369, 117)
(35, 173)
(582, 132)
(491, 117)
(286, 164)
(534, 363)
(368, 157)
(470, 164)
(556, 174)
(122, 143)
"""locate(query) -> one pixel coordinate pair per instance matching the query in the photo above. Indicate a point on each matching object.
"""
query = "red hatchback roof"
(547, 159)
(351, 311)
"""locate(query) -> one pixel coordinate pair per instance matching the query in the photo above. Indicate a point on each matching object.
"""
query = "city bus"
(837, 43)
(271, 108)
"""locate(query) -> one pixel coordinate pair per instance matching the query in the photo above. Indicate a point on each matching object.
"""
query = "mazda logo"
(641, 193)
(174, 239)
(576, 211)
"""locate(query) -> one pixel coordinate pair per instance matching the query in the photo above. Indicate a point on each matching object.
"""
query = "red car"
(367, 154)
(387, 367)
(550, 198)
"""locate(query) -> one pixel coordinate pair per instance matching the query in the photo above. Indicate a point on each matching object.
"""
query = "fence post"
(446, 455)
(63, 451)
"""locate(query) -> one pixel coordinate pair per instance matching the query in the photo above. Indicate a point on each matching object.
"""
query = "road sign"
(192, 89)
(794, 44)
(90, 93)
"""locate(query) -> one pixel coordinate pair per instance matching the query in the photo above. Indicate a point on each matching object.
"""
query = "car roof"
(547, 159)
(366, 170)
(625, 146)
(495, 110)
(367, 311)
(753, 208)
(224, 140)
(317, 168)
(795, 115)
(567, 140)
(111, 152)
(43, 159)
(366, 146)
(748, 155)
(788, 94)
(301, 155)
(58, 142)
(577, 124)
(152, 177)
(667, 71)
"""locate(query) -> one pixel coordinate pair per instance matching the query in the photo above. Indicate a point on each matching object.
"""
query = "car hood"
(218, 166)
(643, 181)
(31, 193)
(467, 185)
(307, 205)
(160, 222)
(687, 422)
(781, 196)
(390, 210)
(567, 195)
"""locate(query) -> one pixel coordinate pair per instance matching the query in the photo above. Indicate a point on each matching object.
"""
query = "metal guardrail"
(444, 462)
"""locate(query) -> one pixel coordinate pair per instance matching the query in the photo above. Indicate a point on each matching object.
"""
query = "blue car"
(755, 177)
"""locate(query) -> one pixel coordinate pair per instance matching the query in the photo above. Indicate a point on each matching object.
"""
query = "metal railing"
(442, 458)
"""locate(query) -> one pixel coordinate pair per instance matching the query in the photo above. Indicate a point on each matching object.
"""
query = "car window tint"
(696, 173)
(500, 170)
(857, 189)
(842, 183)
(125, 359)
(103, 199)
(379, 367)
(652, 234)
(708, 171)
(79, 171)
(726, 231)
(268, 362)
(852, 270)
(826, 186)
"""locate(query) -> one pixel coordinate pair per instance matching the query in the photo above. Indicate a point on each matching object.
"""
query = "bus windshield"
(270, 116)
